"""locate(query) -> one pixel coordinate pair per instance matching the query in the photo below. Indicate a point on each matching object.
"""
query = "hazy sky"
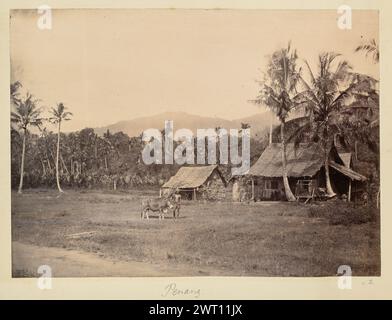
(112, 65)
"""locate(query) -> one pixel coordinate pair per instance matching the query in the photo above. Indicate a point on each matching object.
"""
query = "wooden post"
(253, 189)
(43, 168)
(160, 192)
(349, 191)
(378, 199)
(194, 194)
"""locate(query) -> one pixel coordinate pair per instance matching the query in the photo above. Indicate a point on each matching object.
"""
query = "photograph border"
(209, 287)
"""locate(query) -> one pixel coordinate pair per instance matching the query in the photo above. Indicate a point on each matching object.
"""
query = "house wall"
(268, 189)
(236, 190)
(185, 194)
(213, 189)
(272, 189)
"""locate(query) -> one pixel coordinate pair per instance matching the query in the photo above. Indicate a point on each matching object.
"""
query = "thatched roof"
(346, 158)
(305, 161)
(190, 177)
(347, 171)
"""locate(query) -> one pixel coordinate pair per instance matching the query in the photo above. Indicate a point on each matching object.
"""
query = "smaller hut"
(197, 182)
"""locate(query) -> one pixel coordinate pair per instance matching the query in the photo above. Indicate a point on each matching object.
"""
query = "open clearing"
(98, 233)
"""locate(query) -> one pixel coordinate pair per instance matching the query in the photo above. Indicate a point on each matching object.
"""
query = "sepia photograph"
(194, 143)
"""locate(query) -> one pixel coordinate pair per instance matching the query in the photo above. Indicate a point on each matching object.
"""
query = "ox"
(157, 204)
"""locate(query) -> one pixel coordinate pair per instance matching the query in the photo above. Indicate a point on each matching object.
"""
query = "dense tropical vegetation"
(83, 159)
(337, 106)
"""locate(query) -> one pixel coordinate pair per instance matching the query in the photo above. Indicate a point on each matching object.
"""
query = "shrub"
(343, 213)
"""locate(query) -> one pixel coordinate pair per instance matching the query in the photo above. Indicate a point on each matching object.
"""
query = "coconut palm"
(26, 113)
(326, 99)
(59, 114)
(370, 48)
(245, 126)
(14, 91)
(277, 91)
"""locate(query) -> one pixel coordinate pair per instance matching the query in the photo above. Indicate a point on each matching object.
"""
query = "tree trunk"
(378, 199)
(53, 158)
(22, 162)
(49, 166)
(57, 159)
(43, 167)
(328, 185)
(253, 189)
(289, 194)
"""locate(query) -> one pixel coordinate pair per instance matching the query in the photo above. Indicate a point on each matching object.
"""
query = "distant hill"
(259, 123)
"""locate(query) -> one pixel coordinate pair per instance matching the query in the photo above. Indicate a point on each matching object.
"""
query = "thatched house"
(305, 168)
(197, 182)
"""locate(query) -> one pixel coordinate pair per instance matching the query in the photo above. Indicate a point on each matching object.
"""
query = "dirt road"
(26, 258)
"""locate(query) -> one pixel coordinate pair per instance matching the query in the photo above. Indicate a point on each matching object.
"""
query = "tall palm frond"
(27, 113)
(370, 48)
(14, 92)
(59, 113)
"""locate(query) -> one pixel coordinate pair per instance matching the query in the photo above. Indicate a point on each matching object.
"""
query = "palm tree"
(26, 114)
(14, 91)
(59, 115)
(361, 119)
(324, 102)
(109, 147)
(277, 92)
(370, 48)
(218, 142)
(245, 126)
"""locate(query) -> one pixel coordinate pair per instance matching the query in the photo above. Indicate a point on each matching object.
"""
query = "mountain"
(259, 123)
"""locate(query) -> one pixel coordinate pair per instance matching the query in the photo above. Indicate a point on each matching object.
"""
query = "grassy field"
(213, 238)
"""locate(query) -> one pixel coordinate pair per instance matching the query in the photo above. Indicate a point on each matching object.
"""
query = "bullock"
(156, 204)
